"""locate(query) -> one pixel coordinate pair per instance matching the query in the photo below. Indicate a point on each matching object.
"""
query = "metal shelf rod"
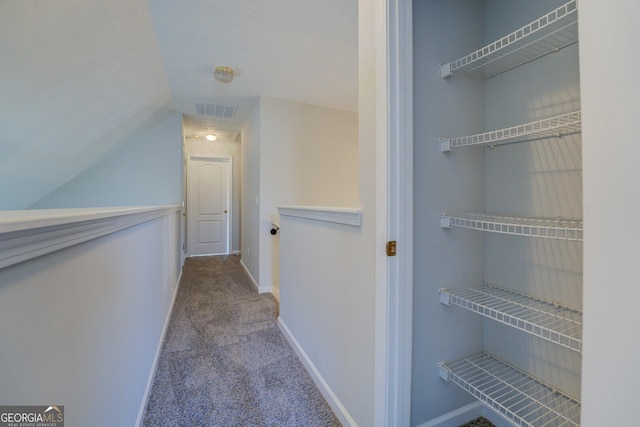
(551, 127)
(547, 34)
(547, 320)
(550, 228)
(517, 396)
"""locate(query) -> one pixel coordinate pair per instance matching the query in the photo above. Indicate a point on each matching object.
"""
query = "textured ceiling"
(79, 76)
(300, 50)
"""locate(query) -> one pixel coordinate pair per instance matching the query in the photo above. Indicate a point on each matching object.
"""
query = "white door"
(208, 192)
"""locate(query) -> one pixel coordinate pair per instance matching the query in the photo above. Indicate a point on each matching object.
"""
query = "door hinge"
(391, 248)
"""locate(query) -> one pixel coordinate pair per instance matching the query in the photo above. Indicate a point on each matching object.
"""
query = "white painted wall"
(81, 326)
(311, 152)
(308, 156)
(145, 170)
(327, 305)
(292, 154)
(330, 272)
(202, 147)
(250, 194)
(371, 260)
(610, 109)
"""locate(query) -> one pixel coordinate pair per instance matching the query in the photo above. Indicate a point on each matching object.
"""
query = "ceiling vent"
(216, 110)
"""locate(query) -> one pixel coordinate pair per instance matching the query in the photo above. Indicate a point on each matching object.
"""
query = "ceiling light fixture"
(210, 137)
(223, 74)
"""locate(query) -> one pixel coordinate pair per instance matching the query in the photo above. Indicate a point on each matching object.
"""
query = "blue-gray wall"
(145, 170)
(539, 178)
(453, 182)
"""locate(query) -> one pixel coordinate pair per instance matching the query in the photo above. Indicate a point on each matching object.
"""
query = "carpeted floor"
(224, 361)
(479, 422)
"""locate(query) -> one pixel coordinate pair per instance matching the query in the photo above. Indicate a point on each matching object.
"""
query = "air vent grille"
(216, 110)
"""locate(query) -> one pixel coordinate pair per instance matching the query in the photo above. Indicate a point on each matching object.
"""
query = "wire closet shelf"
(516, 395)
(550, 228)
(547, 34)
(550, 321)
(551, 127)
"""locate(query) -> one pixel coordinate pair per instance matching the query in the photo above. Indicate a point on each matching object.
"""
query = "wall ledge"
(32, 233)
(346, 216)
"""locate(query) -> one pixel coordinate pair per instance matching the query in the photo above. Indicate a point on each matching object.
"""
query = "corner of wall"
(127, 177)
(250, 193)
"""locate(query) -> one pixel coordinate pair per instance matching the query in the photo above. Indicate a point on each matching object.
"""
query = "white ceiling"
(79, 76)
(297, 50)
(304, 50)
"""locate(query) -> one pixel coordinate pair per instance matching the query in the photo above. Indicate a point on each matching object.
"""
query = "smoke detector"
(223, 74)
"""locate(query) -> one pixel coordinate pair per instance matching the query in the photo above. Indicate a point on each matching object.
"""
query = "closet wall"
(540, 177)
(444, 182)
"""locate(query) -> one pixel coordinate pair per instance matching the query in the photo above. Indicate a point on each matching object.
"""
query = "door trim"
(394, 320)
(226, 159)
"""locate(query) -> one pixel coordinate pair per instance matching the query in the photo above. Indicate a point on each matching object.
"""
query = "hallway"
(224, 362)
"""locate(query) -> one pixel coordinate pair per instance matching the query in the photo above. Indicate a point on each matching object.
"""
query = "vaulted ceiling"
(79, 76)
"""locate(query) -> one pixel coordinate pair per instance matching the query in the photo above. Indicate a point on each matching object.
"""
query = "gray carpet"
(224, 362)
(479, 422)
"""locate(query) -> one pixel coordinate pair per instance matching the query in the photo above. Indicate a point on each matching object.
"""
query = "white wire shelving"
(548, 320)
(550, 228)
(517, 396)
(550, 127)
(549, 33)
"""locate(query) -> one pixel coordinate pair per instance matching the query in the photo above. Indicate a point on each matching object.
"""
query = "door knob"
(225, 211)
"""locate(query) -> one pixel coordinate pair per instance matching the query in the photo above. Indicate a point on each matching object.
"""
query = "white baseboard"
(456, 417)
(234, 253)
(260, 289)
(326, 391)
(265, 290)
(154, 367)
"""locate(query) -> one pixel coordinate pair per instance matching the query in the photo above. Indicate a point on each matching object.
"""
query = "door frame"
(183, 217)
(219, 158)
(394, 313)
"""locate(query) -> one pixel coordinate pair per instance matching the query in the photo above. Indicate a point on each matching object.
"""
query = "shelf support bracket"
(445, 70)
(445, 296)
(443, 371)
(445, 220)
(445, 145)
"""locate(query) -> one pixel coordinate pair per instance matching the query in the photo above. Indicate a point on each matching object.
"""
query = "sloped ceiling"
(79, 76)
(299, 50)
